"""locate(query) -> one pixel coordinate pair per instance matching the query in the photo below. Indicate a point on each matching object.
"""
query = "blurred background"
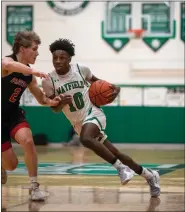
(137, 45)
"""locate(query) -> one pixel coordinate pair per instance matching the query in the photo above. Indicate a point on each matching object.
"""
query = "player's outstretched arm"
(9, 66)
(40, 96)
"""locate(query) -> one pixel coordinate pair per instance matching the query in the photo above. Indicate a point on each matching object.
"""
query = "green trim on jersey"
(52, 83)
(90, 111)
(85, 82)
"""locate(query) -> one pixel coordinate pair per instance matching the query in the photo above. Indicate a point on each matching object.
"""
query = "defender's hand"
(55, 101)
(39, 74)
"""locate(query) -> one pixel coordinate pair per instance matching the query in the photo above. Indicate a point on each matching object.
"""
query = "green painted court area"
(81, 167)
(97, 169)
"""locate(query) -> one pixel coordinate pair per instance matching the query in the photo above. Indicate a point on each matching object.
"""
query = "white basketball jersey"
(73, 83)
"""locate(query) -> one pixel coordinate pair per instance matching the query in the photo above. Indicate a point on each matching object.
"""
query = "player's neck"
(21, 59)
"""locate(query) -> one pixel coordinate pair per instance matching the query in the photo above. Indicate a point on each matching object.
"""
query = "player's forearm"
(44, 100)
(17, 67)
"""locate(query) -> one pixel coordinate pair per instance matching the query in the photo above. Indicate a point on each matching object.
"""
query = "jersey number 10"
(79, 102)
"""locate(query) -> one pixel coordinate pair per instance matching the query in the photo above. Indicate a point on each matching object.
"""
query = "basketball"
(99, 91)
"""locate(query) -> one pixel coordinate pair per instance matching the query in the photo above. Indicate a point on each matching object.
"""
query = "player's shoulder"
(5, 61)
(82, 67)
(7, 58)
(48, 80)
(52, 73)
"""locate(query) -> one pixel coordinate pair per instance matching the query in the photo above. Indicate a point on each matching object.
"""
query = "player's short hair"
(25, 39)
(63, 44)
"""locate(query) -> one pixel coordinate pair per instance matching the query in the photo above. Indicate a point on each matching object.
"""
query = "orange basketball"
(99, 91)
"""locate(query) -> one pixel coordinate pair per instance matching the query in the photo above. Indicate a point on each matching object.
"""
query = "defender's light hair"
(25, 39)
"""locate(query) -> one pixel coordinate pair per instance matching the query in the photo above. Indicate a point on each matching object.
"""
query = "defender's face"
(30, 54)
(61, 60)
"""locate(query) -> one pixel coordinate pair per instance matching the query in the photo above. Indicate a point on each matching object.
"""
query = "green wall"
(124, 124)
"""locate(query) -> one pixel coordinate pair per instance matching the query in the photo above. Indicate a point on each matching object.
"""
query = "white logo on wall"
(68, 7)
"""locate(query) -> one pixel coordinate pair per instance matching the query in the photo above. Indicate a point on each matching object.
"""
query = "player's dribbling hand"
(114, 94)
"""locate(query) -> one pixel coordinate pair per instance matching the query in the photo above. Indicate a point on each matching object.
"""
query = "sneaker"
(3, 176)
(125, 174)
(35, 193)
(154, 183)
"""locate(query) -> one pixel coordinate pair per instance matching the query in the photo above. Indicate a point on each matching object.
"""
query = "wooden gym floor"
(81, 188)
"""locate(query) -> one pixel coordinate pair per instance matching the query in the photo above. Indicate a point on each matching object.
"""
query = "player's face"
(30, 54)
(61, 60)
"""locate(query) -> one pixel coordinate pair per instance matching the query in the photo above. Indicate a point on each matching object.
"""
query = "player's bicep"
(93, 79)
(88, 74)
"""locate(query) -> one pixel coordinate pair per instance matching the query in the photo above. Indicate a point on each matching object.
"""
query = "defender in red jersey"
(16, 77)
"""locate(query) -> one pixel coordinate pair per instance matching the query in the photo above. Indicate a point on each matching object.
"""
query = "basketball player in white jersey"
(71, 82)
